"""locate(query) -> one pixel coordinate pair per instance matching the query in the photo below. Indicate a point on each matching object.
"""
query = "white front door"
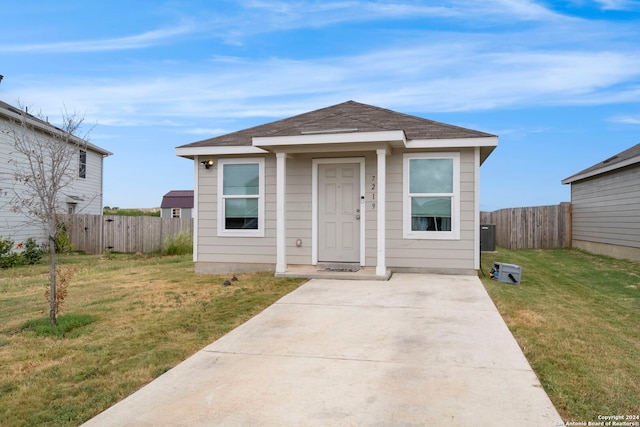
(339, 212)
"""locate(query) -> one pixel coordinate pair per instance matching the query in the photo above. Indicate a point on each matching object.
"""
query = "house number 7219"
(373, 192)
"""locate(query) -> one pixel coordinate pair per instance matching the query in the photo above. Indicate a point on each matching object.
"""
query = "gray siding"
(430, 254)
(215, 249)
(89, 190)
(606, 208)
(298, 210)
(401, 253)
(185, 213)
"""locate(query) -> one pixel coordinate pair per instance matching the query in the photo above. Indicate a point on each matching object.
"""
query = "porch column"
(281, 199)
(381, 263)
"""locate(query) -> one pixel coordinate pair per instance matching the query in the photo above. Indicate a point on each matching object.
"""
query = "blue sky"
(558, 82)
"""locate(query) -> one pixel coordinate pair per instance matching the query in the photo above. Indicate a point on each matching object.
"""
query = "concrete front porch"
(312, 272)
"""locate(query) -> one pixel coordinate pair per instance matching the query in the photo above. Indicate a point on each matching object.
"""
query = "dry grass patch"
(151, 313)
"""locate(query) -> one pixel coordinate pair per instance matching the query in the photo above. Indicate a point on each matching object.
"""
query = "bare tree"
(46, 162)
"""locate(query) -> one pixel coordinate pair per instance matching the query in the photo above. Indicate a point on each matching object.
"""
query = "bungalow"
(605, 206)
(349, 186)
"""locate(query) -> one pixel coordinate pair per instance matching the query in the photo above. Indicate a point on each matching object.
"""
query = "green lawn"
(577, 318)
(127, 319)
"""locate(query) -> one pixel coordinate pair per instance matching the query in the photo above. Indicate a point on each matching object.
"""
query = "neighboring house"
(84, 195)
(605, 204)
(351, 184)
(177, 204)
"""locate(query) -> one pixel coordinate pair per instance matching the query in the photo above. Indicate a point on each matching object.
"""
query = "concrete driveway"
(418, 350)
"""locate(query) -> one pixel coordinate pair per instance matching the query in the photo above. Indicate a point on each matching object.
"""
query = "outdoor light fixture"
(207, 163)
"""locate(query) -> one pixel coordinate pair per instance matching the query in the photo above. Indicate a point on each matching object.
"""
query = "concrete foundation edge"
(615, 251)
(226, 268)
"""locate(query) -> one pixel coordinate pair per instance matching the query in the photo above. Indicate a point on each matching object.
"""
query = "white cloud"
(435, 77)
(619, 4)
(518, 9)
(627, 120)
(264, 16)
(146, 39)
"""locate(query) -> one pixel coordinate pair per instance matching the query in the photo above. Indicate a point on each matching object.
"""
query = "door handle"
(358, 216)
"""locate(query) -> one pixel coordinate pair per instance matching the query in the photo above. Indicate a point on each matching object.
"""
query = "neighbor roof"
(178, 199)
(16, 114)
(349, 116)
(626, 158)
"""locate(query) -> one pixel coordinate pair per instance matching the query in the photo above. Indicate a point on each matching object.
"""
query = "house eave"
(340, 142)
(600, 171)
(486, 143)
(329, 138)
(191, 152)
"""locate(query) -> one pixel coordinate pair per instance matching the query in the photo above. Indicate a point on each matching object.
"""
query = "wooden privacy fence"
(539, 227)
(97, 233)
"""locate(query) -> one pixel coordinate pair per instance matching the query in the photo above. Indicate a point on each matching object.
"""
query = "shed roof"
(623, 159)
(346, 117)
(177, 199)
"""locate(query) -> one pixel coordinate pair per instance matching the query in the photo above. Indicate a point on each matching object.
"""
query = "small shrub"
(6, 245)
(33, 252)
(62, 239)
(8, 258)
(180, 244)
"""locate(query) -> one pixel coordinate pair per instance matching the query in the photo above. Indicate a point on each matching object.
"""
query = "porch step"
(312, 272)
(340, 267)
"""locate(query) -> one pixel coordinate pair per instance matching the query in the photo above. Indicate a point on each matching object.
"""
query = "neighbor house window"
(71, 208)
(431, 200)
(82, 164)
(176, 212)
(241, 197)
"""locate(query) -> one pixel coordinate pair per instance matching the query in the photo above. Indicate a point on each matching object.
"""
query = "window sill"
(240, 233)
(433, 235)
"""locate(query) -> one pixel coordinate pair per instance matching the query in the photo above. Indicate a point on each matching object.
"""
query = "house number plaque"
(373, 192)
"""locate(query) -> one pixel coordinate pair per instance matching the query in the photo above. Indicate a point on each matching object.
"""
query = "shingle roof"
(178, 199)
(348, 116)
(625, 158)
(12, 112)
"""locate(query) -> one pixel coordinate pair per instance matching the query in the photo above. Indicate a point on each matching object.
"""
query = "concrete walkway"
(418, 350)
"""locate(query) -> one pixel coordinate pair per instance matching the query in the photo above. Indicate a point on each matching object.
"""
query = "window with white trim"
(176, 212)
(431, 202)
(241, 197)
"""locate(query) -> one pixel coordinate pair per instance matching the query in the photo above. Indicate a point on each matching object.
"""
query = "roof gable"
(625, 158)
(346, 117)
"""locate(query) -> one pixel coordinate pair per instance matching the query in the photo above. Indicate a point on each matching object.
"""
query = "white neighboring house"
(84, 195)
